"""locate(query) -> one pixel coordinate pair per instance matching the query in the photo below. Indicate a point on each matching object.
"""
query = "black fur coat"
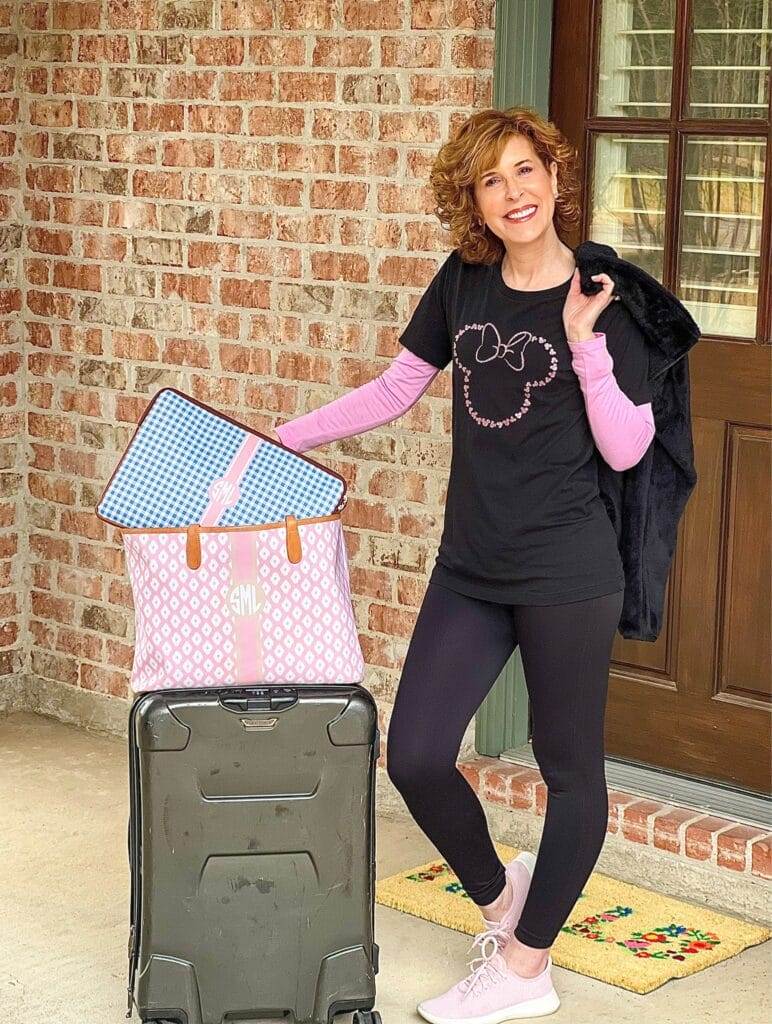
(645, 502)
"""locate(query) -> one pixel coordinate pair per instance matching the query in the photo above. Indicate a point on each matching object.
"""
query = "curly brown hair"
(473, 149)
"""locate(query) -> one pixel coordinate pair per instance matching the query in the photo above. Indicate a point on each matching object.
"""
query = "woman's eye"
(521, 170)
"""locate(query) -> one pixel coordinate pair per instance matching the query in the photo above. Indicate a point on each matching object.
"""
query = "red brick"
(51, 113)
(215, 120)
(49, 607)
(85, 81)
(78, 463)
(104, 680)
(699, 836)
(158, 117)
(732, 846)
(131, 149)
(247, 85)
(81, 276)
(635, 819)
(137, 347)
(50, 179)
(217, 50)
(189, 288)
(244, 359)
(235, 14)
(182, 352)
(616, 804)
(496, 785)
(84, 402)
(76, 15)
(83, 212)
(668, 828)
(188, 153)
(97, 556)
(102, 49)
(104, 247)
(53, 549)
(58, 243)
(471, 772)
(391, 621)
(36, 271)
(79, 645)
(761, 857)
(524, 786)
(249, 294)
(135, 14)
(242, 224)
(55, 428)
(157, 184)
(306, 87)
(58, 490)
(209, 255)
(128, 409)
(80, 584)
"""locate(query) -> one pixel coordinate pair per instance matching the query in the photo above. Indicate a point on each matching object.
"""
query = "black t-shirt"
(524, 520)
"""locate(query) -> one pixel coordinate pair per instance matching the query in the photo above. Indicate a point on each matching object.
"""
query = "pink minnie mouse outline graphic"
(513, 353)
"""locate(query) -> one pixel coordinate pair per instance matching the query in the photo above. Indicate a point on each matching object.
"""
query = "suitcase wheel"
(366, 1017)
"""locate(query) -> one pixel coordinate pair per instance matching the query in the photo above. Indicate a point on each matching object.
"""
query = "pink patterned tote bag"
(233, 606)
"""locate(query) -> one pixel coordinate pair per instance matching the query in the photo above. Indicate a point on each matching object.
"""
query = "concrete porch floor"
(64, 906)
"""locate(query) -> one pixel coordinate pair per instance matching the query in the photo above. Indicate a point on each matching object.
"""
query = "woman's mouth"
(523, 214)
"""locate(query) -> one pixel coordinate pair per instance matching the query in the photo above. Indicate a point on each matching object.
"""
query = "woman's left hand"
(581, 311)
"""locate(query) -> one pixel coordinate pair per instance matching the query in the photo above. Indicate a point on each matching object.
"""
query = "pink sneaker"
(519, 872)
(492, 994)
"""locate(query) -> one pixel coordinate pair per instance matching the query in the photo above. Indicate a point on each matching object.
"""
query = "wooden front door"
(668, 103)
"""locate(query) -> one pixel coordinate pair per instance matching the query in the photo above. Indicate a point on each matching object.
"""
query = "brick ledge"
(681, 831)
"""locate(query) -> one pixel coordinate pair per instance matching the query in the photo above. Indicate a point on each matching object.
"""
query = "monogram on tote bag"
(235, 553)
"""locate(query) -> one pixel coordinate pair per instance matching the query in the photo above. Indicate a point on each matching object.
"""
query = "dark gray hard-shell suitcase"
(252, 851)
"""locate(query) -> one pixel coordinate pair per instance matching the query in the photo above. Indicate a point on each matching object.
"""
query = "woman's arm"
(622, 430)
(379, 401)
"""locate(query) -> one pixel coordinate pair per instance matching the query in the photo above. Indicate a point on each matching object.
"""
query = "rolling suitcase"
(252, 852)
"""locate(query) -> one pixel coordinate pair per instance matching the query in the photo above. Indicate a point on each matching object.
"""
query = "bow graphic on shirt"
(492, 347)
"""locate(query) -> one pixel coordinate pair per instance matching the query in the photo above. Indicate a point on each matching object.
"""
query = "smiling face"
(521, 185)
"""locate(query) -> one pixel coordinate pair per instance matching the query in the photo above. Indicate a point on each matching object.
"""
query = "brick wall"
(228, 197)
(13, 603)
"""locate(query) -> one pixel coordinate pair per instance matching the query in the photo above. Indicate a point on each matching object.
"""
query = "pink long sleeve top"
(621, 430)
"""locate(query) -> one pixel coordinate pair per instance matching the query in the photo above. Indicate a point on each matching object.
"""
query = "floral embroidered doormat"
(619, 933)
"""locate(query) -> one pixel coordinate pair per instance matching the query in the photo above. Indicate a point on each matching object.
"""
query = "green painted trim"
(523, 50)
(523, 47)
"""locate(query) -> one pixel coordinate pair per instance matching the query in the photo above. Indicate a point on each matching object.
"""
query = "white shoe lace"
(486, 974)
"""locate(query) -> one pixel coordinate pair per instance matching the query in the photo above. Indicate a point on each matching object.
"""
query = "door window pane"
(628, 196)
(721, 215)
(635, 64)
(730, 57)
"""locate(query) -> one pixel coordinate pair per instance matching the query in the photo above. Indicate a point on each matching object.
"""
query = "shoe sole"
(541, 1007)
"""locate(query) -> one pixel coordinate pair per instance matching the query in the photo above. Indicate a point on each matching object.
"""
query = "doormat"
(617, 932)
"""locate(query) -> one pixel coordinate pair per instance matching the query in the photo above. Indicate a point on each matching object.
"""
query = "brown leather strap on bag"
(193, 546)
(294, 551)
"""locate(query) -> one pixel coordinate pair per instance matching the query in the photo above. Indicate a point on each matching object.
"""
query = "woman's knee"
(414, 767)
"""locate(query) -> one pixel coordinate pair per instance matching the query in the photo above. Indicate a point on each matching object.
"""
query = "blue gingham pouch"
(187, 463)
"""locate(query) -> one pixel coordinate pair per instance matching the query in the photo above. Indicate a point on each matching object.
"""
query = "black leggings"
(459, 646)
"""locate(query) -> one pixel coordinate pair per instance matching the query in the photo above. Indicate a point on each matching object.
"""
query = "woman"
(542, 374)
